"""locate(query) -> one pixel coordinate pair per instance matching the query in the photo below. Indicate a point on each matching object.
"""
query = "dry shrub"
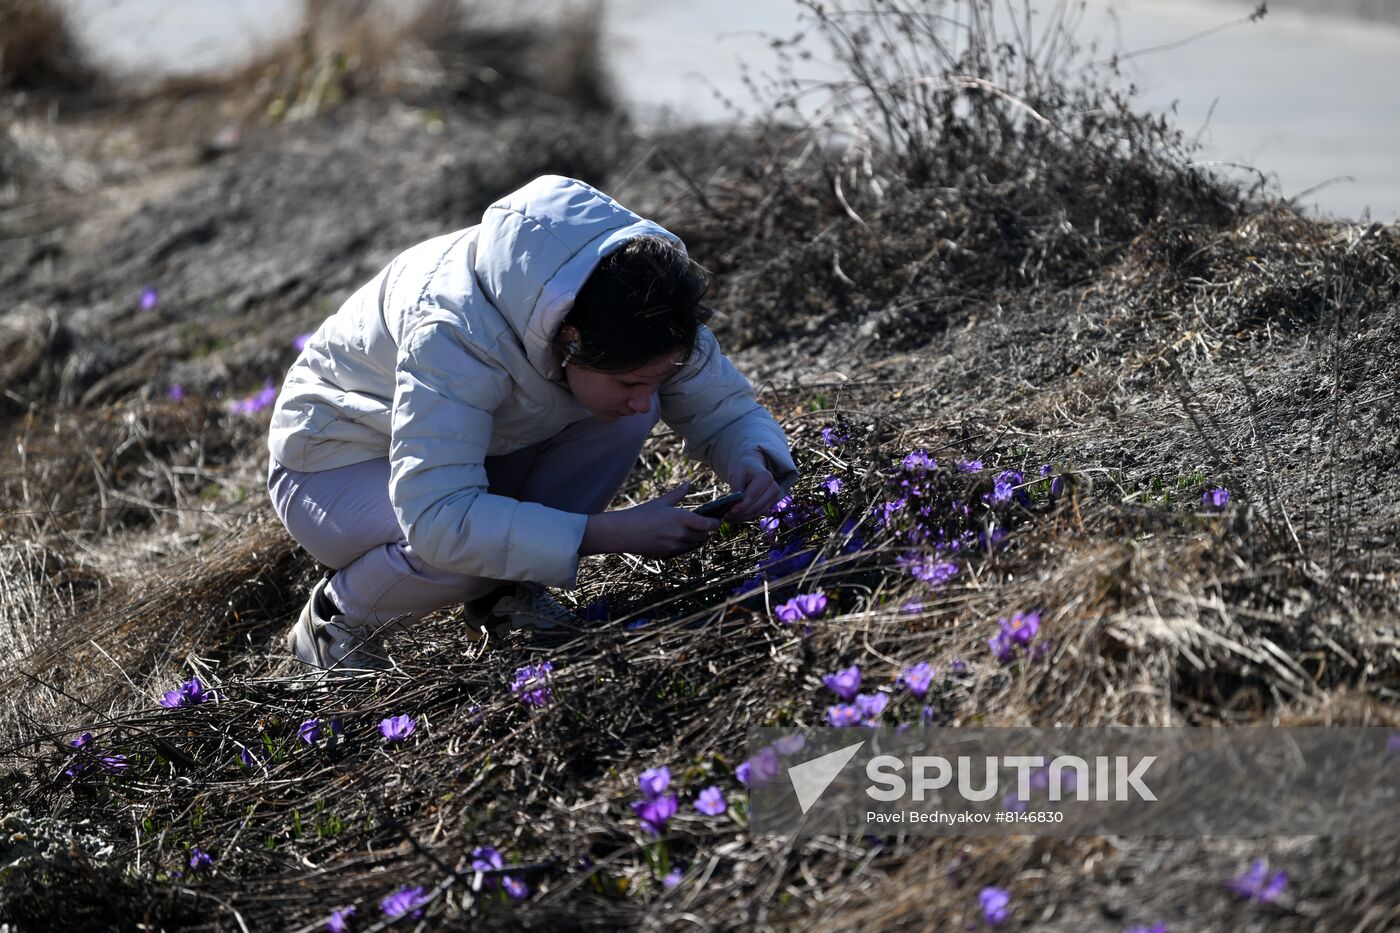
(443, 54)
(38, 50)
(952, 164)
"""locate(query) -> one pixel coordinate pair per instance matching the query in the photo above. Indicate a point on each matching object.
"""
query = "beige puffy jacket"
(446, 357)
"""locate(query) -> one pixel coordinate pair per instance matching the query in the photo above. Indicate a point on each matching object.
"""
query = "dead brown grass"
(38, 50)
(1239, 346)
(444, 54)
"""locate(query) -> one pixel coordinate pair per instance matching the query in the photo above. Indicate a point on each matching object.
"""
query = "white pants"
(343, 518)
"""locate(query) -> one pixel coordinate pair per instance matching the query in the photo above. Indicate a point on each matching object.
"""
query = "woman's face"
(609, 396)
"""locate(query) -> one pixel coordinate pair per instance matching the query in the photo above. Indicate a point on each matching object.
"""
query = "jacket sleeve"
(444, 397)
(712, 406)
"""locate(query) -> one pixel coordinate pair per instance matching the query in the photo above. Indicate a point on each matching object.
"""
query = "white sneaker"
(531, 606)
(336, 644)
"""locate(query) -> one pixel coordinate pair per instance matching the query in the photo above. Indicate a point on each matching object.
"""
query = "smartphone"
(718, 507)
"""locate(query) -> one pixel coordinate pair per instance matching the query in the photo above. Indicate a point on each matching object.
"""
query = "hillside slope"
(1073, 304)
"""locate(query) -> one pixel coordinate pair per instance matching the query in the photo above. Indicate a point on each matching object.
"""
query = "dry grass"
(1155, 617)
(444, 54)
(1192, 338)
(38, 50)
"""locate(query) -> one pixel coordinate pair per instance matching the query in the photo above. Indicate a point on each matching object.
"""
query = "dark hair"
(643, 301)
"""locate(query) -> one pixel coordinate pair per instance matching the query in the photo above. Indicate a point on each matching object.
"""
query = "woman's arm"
(444, 399)
(652, 529)
(712, 406)
(755, 480)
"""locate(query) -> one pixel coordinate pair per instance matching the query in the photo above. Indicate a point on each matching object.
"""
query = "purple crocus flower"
(918, 460)
(931, 571)
(176, 392)
(115, 762)
(768, 524)
(397, 728)
(256, 402)
(310, 731)
(672, 878)
(884, 511)
(1012, 803)
(788, 558)
(149, 297)
(654, 781)
(782, 505)
(486, 858)
(1057, 487)
(1002, 493)
(802, 606)
(200, 860)
(654, 812)
(1155, 928)
(711, 801)
(842, 716)
(856, 542)
(80, 762)
(532, 684)
(247, 757)
(1002, 647)
(1022, 628)
(339, 921)
(789, 744)
(993, 539)
(995, 905)
(743, 773)
(1216, 499)
(959, 666)
(870, 706)
(843, 683)
(764, 766)
(832, 484)
(301, 341)
(189, 693)
(1257, 885)
(788, 613)
(637, 623)
(969, 466)
(405, 902)
(811, 604)
(832, 436)
(917, 679)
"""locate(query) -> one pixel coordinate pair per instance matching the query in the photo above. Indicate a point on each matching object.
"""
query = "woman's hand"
(653, 529)
(752, 477)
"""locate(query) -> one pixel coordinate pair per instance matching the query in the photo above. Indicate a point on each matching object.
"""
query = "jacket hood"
(538, 245)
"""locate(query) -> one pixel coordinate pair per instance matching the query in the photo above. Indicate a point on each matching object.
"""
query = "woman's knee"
(332, 514)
